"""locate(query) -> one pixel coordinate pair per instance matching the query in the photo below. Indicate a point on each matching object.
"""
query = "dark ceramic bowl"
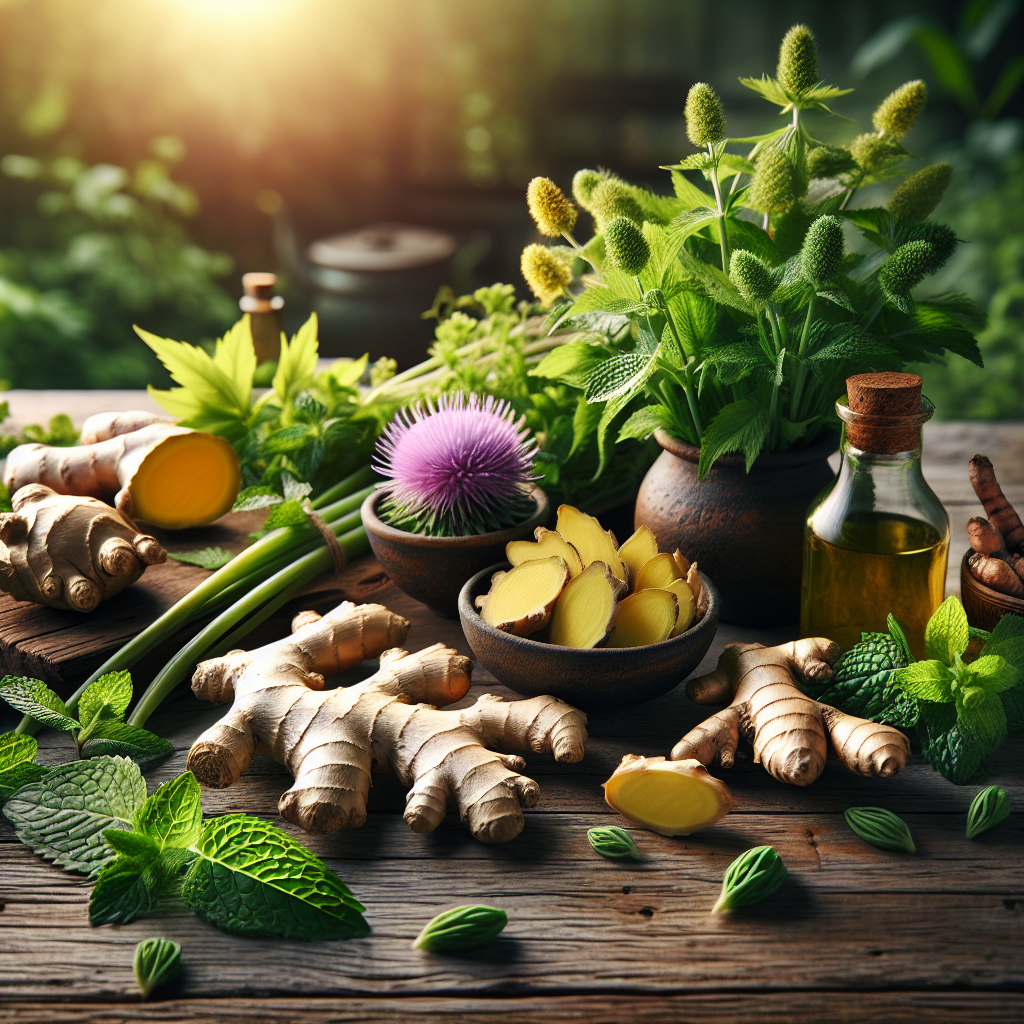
(985, 606)
(594, 680)
(433, 569)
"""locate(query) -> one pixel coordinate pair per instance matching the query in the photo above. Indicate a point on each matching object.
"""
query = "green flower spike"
(547, 274)
(705, 120)
(822, 251)
(940, 236)
(874, 153)
(753, 278)
(583, 184)
(774, 186)
(899, 110)
(797, 71)
(612, 198)
(554, 214)
(829, 161)
(920, 193)
(906, 267)
(626, 247)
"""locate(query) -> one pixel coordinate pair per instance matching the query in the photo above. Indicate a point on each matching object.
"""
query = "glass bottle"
(877, 538)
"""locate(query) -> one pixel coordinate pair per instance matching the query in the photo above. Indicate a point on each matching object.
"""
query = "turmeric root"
(986, 539)
(996, 573)
(69, 553)
(521, 600)
(789, 731)
(999, 511)
(330, 739)
(673, 798)
(160, 473)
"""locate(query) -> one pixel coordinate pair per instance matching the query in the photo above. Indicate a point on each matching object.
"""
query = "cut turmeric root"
(645, 618)
(585, 611)
(522, 600)
(636, 552)
(593, 543)
(160, 473)
(547, 544)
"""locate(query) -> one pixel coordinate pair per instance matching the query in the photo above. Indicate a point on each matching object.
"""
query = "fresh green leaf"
(17, 767)
(953, 751)
(205, 558)
(121, 739)
(173, 815)
(131, 844)
(946, 636)
(881, 828)
(645, 421)
(616, 376)
(740, 426)
(860, 682)
(461, 928)
(63, 815)
(1007, 641)
(349, 372)
(288, 513)
(16, 748)
(34, 698)
(898, 634)
(252, 498)
(138, 886)
(989, 807)
(108, 697)
(612, 841)
(571, 363)
(752, 877)
(925, 680)
(981, 714)
(254, 879)
(992, 672)
(296, 366)
(157, 961)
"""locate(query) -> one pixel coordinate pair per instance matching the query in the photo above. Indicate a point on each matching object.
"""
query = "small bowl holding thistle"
(459, 486)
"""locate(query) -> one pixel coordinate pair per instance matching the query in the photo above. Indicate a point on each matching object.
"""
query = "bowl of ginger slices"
(574, 614)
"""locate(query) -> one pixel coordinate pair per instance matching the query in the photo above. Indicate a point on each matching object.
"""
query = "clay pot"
(745, 530)
(983, 605)
(433, 569)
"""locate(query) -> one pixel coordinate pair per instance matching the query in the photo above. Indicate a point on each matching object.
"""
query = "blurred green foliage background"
(144, 142)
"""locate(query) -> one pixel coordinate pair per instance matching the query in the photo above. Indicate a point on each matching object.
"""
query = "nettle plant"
(746, 310)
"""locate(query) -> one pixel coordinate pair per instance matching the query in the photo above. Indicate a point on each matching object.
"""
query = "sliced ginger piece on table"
(547, 544)
(673, 798)
(687, 605)
(521, 600)
(590, 539)
(586, 609)
(647, 617)
(637, 551)
(657, 573)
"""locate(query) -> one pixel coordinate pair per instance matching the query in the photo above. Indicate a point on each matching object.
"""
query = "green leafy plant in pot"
(459, 487)
(747, 314)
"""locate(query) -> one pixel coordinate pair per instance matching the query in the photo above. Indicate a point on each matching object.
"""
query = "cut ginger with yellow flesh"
(673, 798)
(547, 544)
(522, 600)
(636, 552)
(686, 603)
(645, 618)
(586, 609)
(660, 571)
(590, 539)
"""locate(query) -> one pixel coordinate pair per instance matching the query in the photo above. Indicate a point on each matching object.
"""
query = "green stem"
(801, 370)
(353, 482)
(723, 235)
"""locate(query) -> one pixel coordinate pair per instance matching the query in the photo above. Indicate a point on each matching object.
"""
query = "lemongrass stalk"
(295, 575)
(343, 488)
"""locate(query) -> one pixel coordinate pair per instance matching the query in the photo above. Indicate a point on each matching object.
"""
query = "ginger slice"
(547, 544)
(647, 617)
(682, 561)
(687, 606)
(637, 551)
(657, 573)
(590, 539)
(521, 600)
(673, 798)
(586, 609)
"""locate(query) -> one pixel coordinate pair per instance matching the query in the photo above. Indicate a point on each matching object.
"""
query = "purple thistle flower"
(461, 467)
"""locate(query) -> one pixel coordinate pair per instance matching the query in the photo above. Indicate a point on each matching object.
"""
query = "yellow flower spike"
(547, 273)
(554, 214)
(898, 112)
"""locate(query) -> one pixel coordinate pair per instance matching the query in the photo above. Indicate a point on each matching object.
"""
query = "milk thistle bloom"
(460, 467)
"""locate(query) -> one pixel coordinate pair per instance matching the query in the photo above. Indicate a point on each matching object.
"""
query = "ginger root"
(789, 731)
(70, 553)
(673, 798)
(151, 469)
(647, 617)
(330, 739)
(521, 600)
(586, 609)
(546, 543)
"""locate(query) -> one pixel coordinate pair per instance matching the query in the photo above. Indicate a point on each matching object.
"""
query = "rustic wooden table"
(855, 935)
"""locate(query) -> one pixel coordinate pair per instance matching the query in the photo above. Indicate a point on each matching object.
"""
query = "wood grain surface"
(856, 935)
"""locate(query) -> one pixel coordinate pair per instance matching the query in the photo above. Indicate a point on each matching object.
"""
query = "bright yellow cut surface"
(687, 605)
(658, 572)
(187, 480)
(645, 618)
(521, 601)
(637, 551)
(668, 801)
(584, 609)
(548, 544)
(587, 536)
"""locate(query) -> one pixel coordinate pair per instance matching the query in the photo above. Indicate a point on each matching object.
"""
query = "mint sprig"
(17, 764)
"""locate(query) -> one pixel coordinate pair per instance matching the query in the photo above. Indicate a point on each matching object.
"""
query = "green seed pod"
(874, 153)
(156, 962)
(753, 278)
(829, 161)
(753, 876)
(705, 120)
(906, 267)
(797, 71)
(899, 110)
(547, 274)
(612, 841)
(940, 236)
(553, 213)
(822, 251)
(921, 192)
(461, 928)
(583, 184)
(774, 188)
(612, 198)
(625, 246)
(880, 828)
(987, 809)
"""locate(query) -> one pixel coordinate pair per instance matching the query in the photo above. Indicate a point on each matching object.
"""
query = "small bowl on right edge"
(596, 679)
(985, 606)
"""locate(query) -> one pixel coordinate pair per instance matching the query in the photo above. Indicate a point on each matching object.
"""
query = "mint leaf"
(947, 633)
(1007, 641)
(953, 752)
(288, 513)
(205, 558)
(1013, 706)
(34, 698)
(63, 815)
(992, 672)
(157, 961)
(16, 748)
(981, 714)
(108, 697)
(120, 739)
(131, 887)
(898, 634)
(173, 815)
(18, 775)
(253, 879)
(132, 844)
(859, 685)
(252, 498)
(926, 680)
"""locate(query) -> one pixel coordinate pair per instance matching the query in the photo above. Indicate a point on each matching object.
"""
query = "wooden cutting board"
(62, 648)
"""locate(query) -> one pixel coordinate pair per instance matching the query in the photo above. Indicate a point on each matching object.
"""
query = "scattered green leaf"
(157, 961)
(881, 828)
(205, 558)
(461, 928)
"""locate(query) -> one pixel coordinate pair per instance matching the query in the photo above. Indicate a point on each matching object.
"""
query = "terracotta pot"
(433, 569)
(744, 529)
(983, 605)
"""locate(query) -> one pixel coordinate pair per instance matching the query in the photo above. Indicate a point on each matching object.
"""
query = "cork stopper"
(264, 309)
(879, 402)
